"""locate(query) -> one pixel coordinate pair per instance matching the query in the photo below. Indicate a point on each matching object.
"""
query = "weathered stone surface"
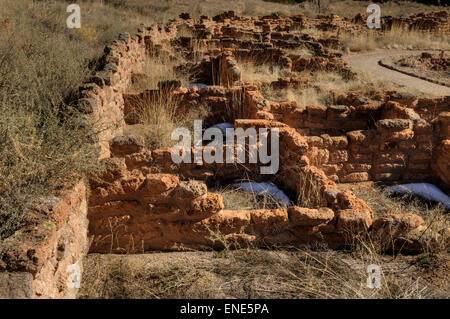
(34, 260)
(125, 145)
(310, 217)
(159, 183)
(353, 220)
(402, 232)
(16, 285)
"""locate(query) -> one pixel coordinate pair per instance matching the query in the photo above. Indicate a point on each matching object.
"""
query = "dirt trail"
(368, 62)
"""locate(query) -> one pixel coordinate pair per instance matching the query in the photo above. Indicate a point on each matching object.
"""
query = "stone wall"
(102, 98)
(33, 262)
(371, 141)
(146, 202)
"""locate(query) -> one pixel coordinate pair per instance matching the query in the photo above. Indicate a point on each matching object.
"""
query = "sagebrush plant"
(44, 141)
(159, 118)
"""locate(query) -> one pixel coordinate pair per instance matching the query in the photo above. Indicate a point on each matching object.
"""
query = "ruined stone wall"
(379, 142)
(33, 262)
(102, 99)
(147, 202)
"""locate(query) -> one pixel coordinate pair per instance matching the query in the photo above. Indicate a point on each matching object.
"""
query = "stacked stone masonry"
(145, 202)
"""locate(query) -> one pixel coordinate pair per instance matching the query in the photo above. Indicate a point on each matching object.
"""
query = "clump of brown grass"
(238, 199)
(303, 96)
(308, 191)
(260, 72)
(159, 116)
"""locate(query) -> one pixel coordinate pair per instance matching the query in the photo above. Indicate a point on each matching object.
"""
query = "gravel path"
(368, 62)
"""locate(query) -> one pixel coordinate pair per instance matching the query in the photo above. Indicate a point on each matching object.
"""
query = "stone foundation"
(146, 202)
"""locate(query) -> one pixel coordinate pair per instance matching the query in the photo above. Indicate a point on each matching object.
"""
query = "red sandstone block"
(352, 220)
(386, 176)
(205, 206)
(340, 141)
(314, 141)
(357, 136)
(309, 217)
(355, 177)
(159, 183)
(398, 135)
(331, 169)
(338, 156)
(265, 220)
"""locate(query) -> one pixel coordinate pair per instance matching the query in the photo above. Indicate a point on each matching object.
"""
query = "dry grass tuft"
(237, 199)
(253, 72)
(159, 113)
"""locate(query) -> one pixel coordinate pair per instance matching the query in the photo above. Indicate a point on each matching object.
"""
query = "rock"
(352, 220)
(330, 195)
(159, 183)
(393, 125)
(190, 189)
(399, 224)
(124, 145)
(352, 213)
(309, 217)
(402, 232)
(205, 206)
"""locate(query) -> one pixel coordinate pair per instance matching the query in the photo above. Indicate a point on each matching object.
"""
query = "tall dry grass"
(159, 114)
(44, 141)
(254, 273)
(395, 38)
(238, 199)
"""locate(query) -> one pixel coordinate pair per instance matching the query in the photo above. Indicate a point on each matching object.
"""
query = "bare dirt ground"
(369, 63)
